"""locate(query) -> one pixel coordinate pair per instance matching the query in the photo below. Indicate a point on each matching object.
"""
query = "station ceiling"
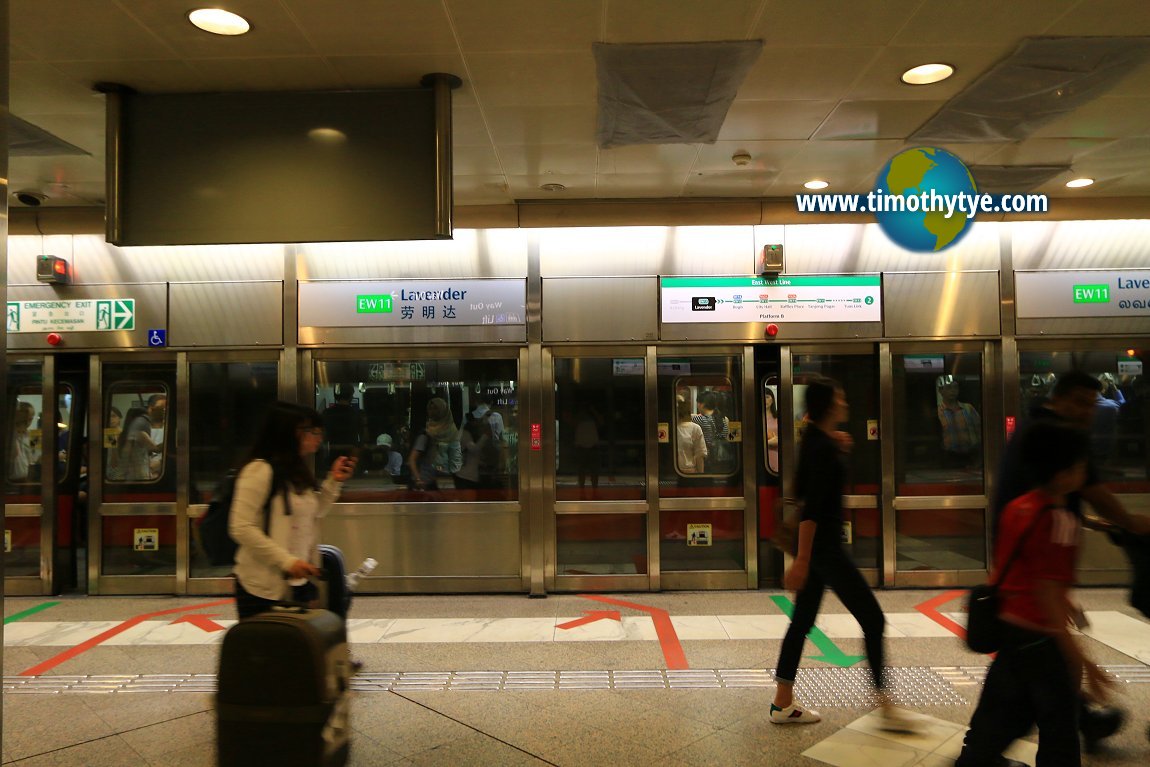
(822, 100)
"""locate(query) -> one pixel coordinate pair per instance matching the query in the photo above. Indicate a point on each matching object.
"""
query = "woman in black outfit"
(821, 560)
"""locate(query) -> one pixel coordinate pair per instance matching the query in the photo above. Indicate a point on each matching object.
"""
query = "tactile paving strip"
(817, 686)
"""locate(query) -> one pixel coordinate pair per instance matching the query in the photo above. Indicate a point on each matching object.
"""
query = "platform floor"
(675, 679)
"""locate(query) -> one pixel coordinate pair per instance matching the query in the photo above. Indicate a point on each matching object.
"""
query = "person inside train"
(390, 459)
(345, 425)
(771, 430)
(23, 455)
(136, 444)
(436, 450)
(961, 425)
(1104, 430)
(715, 428)
(1035, 676)
(276, 556)
(690, 445)
(474, 438)
(588, 443)
(1073, 401)
(821, 561)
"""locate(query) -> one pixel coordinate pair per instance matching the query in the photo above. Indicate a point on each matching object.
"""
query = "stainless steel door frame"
(991, 388)
(393, 514)
(789, 436)
(552, 507)
(98, 509)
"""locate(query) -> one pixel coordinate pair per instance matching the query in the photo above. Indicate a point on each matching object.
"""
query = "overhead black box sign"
(219, 168)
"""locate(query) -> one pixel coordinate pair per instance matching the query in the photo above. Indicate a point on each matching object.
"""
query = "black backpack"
(215, 540)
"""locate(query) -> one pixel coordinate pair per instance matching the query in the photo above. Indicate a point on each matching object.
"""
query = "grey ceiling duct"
(1044, 78)
(676, 93)
(28, 140)
(1005, 179)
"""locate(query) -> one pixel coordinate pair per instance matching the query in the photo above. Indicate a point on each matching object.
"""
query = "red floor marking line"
(86, 645)
(668, 639)
(929, 608)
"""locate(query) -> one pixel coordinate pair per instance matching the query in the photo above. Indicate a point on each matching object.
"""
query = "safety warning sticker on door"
(698, 535)
(146, 539)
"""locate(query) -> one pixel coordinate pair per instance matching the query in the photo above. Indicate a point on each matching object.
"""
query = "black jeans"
(832, 567)
(1028, 683)
(248, 604)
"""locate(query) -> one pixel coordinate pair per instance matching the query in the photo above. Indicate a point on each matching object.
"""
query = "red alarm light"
(55, 339)
(772, 330)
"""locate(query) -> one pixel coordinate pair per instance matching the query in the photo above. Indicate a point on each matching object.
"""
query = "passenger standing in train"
(1035, 676)
(715, 428)
(690, 446)
(433, 449)
(275, 565)
(961, 425)
(22, 456)
(771, 427)
(821, 560)
(587, 444)
(474, 438)
(136, 444)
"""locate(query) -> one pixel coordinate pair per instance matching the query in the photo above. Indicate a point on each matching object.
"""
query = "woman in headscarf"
(437, 440)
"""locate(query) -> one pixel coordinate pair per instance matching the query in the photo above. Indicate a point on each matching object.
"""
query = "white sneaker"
(793, 714)
(892, 719)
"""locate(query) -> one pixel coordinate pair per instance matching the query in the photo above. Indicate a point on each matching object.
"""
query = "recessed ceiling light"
(816, 183)
(219, 22)
(1078, 183)
(925, 74)
(552, 187)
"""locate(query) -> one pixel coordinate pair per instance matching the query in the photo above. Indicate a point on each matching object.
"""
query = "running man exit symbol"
(116, 314)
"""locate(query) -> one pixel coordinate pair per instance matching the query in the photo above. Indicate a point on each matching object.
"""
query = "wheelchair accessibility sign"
(157, 337)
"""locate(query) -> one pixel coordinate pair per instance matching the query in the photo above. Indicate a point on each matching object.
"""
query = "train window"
(700, 395)
(25, 447)
(424, 430)
(135, 427)
(938, 400)
(599, 446)
(1120, 424)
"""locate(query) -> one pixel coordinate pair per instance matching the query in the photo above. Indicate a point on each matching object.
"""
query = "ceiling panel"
(792, 72)
(274, 32)
(371, 27)
(760, 120)
(975, 22)
(680, 21)
(502, 79)
(526, 25)
(875, 119)
(831, 22)
(824, 97)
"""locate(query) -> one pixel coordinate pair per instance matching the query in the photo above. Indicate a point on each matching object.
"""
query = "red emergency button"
(55, 339)
(772, 330)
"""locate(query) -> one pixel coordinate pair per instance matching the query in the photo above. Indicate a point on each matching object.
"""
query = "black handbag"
(984, 628)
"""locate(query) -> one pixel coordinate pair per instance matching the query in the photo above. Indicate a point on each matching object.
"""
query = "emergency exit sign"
(1091, 294)
(379, 304)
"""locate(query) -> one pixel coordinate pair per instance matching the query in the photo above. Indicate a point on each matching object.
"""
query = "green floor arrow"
(830, 651)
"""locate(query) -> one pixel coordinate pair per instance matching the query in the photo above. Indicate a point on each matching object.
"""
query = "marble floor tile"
(1121, 632)
(850, 748)
(934, 732)
(755, 626)
(691, 627)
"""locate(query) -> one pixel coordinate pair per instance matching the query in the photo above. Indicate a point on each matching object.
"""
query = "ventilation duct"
(676, 93)
(1045, 78)
(28, 140)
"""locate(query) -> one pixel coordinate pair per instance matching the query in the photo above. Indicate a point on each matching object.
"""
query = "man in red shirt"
(1036, 675)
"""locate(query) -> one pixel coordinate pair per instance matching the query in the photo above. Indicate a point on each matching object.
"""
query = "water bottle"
(363, 571)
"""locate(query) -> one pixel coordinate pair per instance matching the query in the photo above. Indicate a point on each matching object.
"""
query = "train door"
(1119, 432)
(223, 405)
(597, 421)
(42, 475)
(857, 370)
(706, 492)
(133, 478)
(939, 400)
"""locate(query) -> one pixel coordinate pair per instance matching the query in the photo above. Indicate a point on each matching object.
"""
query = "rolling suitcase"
(335, 580)
(282, 696)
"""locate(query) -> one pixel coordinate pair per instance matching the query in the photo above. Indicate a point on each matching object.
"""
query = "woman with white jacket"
(276, 556)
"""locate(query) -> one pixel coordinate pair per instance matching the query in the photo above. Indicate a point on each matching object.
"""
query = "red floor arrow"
(201, 620)
(590, 616)
(929, 608)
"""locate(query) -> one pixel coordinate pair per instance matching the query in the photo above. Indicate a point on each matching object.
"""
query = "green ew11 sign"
(378, 304)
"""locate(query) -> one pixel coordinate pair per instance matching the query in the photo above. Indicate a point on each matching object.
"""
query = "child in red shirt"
(1035, 677)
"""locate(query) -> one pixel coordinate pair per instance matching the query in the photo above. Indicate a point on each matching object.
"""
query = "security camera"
(30, 197)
